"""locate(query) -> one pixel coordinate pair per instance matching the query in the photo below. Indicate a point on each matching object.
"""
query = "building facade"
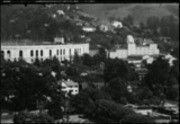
(134, 50)
(30, 52)
(69, 86)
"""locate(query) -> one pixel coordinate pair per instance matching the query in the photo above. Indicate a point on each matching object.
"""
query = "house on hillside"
(117, 24)
(69, 86)
(88, 29)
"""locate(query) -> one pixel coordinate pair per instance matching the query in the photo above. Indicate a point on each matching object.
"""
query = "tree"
(128, 21)
(153, 23)
(116, 68)
(135, 118)
(37, 62)
(117, 88)
(157, 76)
(88, 60)
(77, 58)
(83, 103)
(110, 111)
(101, 56)
(26, 117)
(170, 27)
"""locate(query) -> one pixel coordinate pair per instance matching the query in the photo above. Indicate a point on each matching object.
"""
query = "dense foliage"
(163, 79)
(26, 117)
(43, 23)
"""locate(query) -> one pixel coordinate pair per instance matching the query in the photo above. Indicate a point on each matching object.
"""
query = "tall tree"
(153, 22)
(115, 68)
(128, 21)
(157, 77)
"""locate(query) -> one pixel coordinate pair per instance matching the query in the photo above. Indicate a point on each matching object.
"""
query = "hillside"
(40, 23)
(139, 12)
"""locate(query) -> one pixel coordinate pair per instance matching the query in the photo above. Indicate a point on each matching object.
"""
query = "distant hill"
(139, 12)
(44, 22)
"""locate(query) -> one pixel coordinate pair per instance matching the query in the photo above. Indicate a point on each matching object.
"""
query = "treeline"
(166, 26)
(35, 23)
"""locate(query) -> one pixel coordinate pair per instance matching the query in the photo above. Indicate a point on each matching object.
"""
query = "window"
(57, 52)
(36, 53)
(41, 52)
(9, 53)
(64, 51)
(61, 52)
(32, 53)
(69, 51)
(2, 54)
(20, 53)
(50, 52)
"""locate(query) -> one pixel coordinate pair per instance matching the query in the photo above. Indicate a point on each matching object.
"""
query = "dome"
(130, 39)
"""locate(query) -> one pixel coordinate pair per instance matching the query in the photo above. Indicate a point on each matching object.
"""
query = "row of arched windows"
(38, 53)
(9, 53)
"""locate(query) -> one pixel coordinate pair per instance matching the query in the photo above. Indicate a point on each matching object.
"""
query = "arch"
(69, 51)
(37, 53)
(20, 53)
(57, 52)
(41, 52)
(61, 52)
(50, 52)
(31, 53)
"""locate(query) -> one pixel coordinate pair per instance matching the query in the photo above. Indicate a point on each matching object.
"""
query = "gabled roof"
(70, 83)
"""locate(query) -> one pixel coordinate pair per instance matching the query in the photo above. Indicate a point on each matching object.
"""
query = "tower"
(131, 45)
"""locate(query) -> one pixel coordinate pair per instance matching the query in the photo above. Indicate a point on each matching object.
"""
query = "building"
(70, 86)
(117, 24)
(29, 52)
(89, 29)
(134, 50)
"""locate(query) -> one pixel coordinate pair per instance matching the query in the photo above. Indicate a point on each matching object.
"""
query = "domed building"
(135, 51)
(130, 39)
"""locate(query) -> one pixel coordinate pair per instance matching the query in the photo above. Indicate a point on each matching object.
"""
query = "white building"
(117, 24)
(89, 29)
(134, 50)
(41, 51)
(70, 86)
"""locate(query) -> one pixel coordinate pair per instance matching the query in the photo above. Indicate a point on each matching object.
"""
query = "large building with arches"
(30, 52)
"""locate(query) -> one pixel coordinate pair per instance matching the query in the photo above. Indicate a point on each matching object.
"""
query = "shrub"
(27, 117)
(110, 110)
(136, 118)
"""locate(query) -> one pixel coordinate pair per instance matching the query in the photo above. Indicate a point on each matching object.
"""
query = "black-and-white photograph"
(90, 63)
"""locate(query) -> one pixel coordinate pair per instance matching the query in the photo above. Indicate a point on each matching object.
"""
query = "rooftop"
(69, 83)
(27, 42)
